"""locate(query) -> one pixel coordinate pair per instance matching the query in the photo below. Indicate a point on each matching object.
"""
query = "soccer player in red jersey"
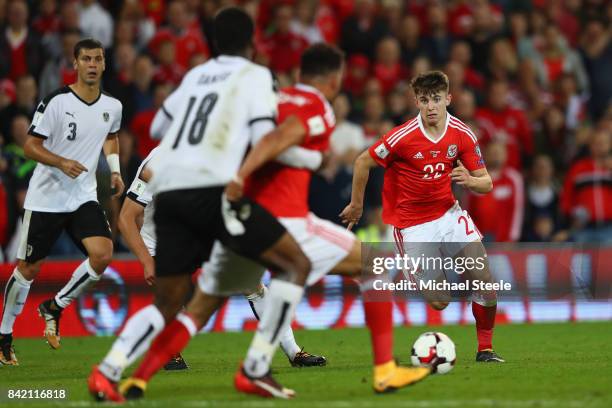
(422, 158)
(307, 120)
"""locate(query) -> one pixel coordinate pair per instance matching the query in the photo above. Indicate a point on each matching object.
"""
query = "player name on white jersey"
(212, 114)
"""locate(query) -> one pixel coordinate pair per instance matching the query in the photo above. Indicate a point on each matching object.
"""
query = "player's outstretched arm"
(111, 151)
(361, 172)
(289, 133)
(35, 150)
(478, 181)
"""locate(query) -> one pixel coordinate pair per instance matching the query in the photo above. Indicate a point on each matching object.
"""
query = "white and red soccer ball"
(435, 350)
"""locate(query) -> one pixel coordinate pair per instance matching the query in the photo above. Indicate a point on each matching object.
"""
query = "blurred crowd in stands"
(532, 78)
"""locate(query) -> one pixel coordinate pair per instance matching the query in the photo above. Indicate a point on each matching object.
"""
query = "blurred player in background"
(307, 120)
(208, 123)
(418, 158)
(70, 128)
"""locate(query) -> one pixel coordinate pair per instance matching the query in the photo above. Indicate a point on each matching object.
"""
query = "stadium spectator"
(167, 71)
(560, 14)
(572, 102)
(586, 199)
(388, 68)
(47, 21)
(596, 50)
(363, 29)
(397, 106)
(134, 86)
(69, 21)
(499, 214)
(503, 61)
(187, 40)
(542, 201)
(518, 31)
(554, 58)
(119, 65)
(304, 24)
(373, 117)
(438, 40)
(501, 122)
(410, 39)
(25, 103)
(96, 22)
(464, 107)
(456, 77)
(461, 53)
(143, 27)
(21, 51)
(357, 72)
(20, 168)
(391, 12)
(153, 9)
(60, 71)
(128, 158)
(141, 124)
(282, 46)
(486, 25)
(7, 93)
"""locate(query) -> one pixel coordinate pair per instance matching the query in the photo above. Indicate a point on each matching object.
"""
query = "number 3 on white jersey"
(436, 171)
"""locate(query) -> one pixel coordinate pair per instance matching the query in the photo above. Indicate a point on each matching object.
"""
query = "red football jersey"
(281, 189)
(417, 185)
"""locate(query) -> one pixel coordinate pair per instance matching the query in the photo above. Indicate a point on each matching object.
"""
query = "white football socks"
(279, 305)
(15, 295)
(287, 339)
(83, 277)
(133, 341)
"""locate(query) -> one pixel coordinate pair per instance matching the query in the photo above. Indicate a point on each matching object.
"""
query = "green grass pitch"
(548, 365)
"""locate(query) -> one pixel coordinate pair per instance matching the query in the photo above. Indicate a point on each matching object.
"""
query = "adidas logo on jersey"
(419, 155)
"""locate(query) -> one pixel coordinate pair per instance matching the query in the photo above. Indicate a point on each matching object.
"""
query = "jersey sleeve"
(313, 120)
(138, 191)
(470, 154)
(262, 98)
(117, 118)
(44, 119)
(385, 149)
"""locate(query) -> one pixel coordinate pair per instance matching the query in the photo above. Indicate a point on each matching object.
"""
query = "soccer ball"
(435, 350)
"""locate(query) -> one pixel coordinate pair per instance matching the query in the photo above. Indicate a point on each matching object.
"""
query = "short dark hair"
(87, 44)
(233, 29)
(321, 59)
(429, 83)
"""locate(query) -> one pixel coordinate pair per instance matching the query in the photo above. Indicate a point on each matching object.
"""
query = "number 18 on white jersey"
(212, 114)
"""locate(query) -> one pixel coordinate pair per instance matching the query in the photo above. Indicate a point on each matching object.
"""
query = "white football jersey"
(76, 130)
(140, 193)
(212, 112)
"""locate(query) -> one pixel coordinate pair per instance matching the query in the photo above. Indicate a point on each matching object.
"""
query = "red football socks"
(171, 341)
(485, 321)
(379, 319)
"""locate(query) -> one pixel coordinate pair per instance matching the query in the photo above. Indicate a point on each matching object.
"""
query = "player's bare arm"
(111, 151)
(130, 222)
(34, 150)
(290, 133)
(361, 172)
(478, 181)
